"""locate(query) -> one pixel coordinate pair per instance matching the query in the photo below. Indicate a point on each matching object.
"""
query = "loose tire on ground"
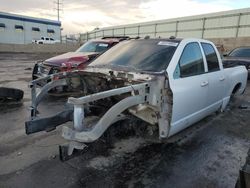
(11, 93)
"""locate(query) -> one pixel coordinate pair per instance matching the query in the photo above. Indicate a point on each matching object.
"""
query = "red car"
(75, 60)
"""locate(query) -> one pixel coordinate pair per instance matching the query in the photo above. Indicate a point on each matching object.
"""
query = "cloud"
(107, 12)
(85, 15)
(161, 9)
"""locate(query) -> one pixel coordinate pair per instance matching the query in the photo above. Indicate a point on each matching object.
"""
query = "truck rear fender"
(237, 80)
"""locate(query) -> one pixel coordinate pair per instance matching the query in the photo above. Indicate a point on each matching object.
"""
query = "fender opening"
(236, 88)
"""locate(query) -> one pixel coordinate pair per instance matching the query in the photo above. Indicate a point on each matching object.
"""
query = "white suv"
(45, 40)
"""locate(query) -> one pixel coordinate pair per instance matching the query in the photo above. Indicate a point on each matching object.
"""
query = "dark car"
(75, 60)
(238, 56)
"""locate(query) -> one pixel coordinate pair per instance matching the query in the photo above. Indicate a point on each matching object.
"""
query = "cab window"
(191, 61)
(211, 57)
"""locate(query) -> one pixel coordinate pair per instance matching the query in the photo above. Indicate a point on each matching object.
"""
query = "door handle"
(205, 83)
(222, 78)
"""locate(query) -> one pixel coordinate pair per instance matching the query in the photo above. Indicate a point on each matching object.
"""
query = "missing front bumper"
(48, 123)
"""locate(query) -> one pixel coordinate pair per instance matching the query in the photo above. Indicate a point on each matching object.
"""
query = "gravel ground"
(209, 154)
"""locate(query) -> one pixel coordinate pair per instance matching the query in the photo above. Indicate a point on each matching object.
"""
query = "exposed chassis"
(147, 100)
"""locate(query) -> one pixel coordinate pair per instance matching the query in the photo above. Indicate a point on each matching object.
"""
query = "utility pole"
(58, 8)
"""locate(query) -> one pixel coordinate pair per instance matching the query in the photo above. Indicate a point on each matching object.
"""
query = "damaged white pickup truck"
(167, 83)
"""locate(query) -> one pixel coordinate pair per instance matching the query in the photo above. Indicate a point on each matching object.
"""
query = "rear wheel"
(235, 98)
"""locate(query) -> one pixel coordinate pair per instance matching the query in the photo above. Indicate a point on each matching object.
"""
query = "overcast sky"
(85, 15)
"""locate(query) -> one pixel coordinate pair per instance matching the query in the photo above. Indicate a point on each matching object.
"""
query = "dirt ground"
(209, 154)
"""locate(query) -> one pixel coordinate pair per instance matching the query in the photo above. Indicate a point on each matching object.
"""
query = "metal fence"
(74, 38)
(226, 24)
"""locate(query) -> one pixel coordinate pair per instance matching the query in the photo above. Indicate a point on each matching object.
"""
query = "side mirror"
(225, 54)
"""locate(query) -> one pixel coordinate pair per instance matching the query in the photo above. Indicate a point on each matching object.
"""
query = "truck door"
(190, 87)
(216, 78)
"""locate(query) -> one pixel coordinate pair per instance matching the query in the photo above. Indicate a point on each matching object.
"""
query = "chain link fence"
(71, 39)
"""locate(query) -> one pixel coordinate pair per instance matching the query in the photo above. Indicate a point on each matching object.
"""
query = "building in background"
(18, 29)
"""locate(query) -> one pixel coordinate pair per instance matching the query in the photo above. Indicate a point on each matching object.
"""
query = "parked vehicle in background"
(45, 40)
(168, 84)
(238, 56)
(75, 60)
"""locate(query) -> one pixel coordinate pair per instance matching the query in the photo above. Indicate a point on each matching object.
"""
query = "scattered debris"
(29, 68)
(243, 107)
(120, 150)
(244, 176)
(19, 153)
(18, 172)
(52, 157)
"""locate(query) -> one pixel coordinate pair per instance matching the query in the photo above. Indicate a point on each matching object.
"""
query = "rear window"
(211, 57)
(142, 55)
(92, 46)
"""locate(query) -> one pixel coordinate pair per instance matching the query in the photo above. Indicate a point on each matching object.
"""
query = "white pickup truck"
(168, 84)
(45, 40)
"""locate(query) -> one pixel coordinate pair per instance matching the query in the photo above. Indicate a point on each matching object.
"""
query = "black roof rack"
(172, 37)
(120, 38)
(115, 37)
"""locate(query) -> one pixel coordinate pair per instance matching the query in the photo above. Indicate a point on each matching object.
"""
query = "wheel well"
(236, 88)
